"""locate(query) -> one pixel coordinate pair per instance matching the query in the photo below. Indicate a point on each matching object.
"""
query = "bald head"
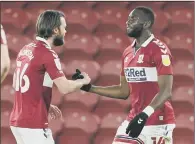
(146, 14)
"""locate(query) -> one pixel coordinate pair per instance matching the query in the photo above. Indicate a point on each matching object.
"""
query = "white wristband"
(149, 110)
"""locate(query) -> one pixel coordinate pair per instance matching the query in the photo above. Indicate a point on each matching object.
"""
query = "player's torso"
(141, 75)
(33, 88)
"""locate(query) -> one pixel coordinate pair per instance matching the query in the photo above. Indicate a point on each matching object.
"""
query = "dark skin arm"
(116, 91)
(165, 83)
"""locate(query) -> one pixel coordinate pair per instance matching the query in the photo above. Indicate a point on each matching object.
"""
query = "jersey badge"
(140, 58)
(166, 60)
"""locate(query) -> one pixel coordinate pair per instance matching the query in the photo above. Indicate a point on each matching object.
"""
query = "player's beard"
(58, 40)
(136, 32)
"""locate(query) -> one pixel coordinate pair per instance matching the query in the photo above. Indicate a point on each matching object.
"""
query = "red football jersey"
(141, 70)
(3, 36)
(37, 66)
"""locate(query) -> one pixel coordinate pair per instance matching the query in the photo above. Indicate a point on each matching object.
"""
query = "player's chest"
(140, 58)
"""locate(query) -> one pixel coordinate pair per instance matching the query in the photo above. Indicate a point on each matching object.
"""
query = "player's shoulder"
(158, 46)
(156, 43)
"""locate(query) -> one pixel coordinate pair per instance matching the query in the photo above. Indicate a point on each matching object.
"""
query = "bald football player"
(147, 78)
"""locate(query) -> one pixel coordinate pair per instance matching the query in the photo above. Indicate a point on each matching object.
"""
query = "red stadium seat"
(182, 107)
(5, 119)
(105, 136)
(185, 68)
(112, 37)
(7, 136)
(8, 80)
(85, 121)
(75, 14)
(182, 16)
(185, 120)
(162, 21)
(56, 127)
(88, 4)
(90, 67)
(79, 40)
(153, 5)
(7, 93)
(122, 4)
(174, 6)
(183, 136)
(108, 105)
(110, 73)
(57, 97)
(108, 128)
(17, 42)
(184, 129)
(112, 120)
(184, 94)
(41, 5)
(73, 136)
(113, 42)
(88, 99)
(179, 38)
(18, 4)
(183, 73)
(113, 14)
(15, 17)
(12, 66)
(6, 108)
(12, 54)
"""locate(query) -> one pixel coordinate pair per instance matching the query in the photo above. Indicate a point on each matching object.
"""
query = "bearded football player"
(146, 77)
(38, 67)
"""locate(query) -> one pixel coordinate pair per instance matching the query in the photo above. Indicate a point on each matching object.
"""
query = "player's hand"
(86, 80)
(55, 113)
(79, 75)
(136, 125)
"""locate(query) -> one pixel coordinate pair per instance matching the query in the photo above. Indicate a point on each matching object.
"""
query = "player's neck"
(50, 41)
(145, 35)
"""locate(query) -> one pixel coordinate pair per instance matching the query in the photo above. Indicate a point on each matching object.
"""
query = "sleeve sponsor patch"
(166, 60)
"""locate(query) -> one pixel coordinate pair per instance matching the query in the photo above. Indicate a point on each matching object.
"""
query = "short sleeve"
(163, 62)
(3, 36)
(53, 65)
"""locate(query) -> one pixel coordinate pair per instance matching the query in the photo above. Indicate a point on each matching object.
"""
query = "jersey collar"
(148, 41)
(145, 43)
(43, 40)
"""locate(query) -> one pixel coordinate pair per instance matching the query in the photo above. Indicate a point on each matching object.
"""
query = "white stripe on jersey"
(141, 74)
(47, 81)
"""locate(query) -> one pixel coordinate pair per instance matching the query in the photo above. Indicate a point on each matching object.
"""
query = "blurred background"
(95, 41)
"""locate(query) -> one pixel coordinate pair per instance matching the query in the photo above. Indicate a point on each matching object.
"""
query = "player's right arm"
(66, 86)
(5, 59)
(53, 68)
(120, 91)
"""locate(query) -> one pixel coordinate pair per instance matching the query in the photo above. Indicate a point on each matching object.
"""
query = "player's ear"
(147, 24)
(56, 30)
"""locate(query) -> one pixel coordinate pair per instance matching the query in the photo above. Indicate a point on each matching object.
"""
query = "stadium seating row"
(106, 70)
(84, 127)
(96, 30)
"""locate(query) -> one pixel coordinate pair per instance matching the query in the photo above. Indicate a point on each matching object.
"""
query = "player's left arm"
(163, 62)
(165, 83)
